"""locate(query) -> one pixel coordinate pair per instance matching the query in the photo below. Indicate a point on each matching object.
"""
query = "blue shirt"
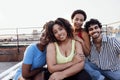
(33, 56)
(109, 56)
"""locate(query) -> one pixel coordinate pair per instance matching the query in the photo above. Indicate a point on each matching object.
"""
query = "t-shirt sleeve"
(28, 55)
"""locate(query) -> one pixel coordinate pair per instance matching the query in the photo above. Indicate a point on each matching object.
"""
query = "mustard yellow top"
(62, 59)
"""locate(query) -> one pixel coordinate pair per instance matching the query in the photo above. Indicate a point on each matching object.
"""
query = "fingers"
(81, 55)
(51, 78)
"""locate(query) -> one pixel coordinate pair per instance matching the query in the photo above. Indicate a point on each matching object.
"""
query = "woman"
(65, 58)
(34, 59)
(78, 17)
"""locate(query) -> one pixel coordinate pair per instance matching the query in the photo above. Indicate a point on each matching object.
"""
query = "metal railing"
(19, 36)
(9, 73)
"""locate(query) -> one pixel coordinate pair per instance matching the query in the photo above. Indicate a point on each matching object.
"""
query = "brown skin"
(64, 70)
(85, 42)
(78, 21)
(27, 73)
(95, 33)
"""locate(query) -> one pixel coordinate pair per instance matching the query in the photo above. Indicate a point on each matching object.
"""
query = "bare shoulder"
(51, 45)
(51, 48)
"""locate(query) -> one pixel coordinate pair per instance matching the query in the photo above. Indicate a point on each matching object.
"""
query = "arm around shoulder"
(86, 44)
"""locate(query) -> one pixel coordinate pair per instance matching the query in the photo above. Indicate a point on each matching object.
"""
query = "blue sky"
(34, 13)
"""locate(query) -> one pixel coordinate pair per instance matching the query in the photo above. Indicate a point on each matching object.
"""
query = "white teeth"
(95, 34)
(61, 36)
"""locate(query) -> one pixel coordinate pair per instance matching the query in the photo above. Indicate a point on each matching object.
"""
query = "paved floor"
(6, 65)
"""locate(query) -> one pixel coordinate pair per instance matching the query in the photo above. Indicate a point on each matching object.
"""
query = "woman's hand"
(78, 58)
(77, 38)
(57, 76)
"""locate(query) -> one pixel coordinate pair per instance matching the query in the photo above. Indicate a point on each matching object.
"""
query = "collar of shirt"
(104, 39)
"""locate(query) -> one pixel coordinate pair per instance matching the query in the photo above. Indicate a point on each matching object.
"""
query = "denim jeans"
(93, 71)
(98, 74)
(112, 75)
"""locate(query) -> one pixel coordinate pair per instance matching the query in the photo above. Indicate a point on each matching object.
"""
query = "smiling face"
(94, 31)
(59, 32)
(77, 21)
(43, 40)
